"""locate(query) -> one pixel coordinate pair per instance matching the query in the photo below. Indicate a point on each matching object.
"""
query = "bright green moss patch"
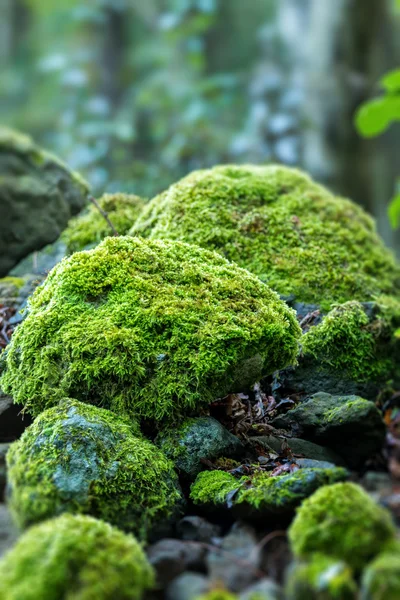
(355, 344)
(341, 521)
(278, 223)
(76, 558)
(78, 458)
(90, 227)
(381, 578)
(260, 493)
(147, 327)
(322, 578)
(217, 595)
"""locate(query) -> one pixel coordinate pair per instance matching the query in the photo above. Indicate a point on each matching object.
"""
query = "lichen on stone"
(261, 494)
(78, 458)
(343, 522)
(276, 222)
(320, 578)
(90, 227)
(148, 328)
(76, 558)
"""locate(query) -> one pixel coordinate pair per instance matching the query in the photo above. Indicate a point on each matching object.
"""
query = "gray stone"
(236, 565)
(265, 589)
(3, 472)
(300, 447)
(8, 531)
(188, 586)
(196, 439)
(195, 528)
(351, 425)
(38, 195)
(170, 558)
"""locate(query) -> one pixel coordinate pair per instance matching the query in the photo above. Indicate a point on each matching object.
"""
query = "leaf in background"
(375, 116)
(391, 81)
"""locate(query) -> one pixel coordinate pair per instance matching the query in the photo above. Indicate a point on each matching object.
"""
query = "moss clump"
(276, 222)
(217, 595)
(381, 578)
(322, 578)
(261, 494)
(354, 344)
(341, 521)
(82, 459)
(76, 558)
(90, 227)
(146, 327)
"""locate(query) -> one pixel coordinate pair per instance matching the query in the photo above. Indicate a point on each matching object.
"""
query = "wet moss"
(276, 222)
(343, 522)
(147, 328)
(75, 557)
(78, 458)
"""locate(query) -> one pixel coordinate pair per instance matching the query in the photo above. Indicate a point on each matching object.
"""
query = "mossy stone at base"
(76, 558)
(261, 495)
(90, 227)
(38, 193)
(343, 522)
(352, 426)
(149, 328)
(381, 578)
(321, 578)
(196, 439)
(280, 225)
(78, 458)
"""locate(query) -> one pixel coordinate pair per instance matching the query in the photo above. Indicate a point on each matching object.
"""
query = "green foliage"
(76, 558)
(149, 328)
(381, 578)
(90, 227)
(348, 341)
(283, 227)
(322, 578)
(261, 493)
(341, 521)
(78, 458)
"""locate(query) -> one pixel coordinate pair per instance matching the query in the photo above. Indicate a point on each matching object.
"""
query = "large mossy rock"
(78, 458)
(276, 222)
(38, 195)
(90, 227)
(75, 557)
(147, 327)
(343, 522)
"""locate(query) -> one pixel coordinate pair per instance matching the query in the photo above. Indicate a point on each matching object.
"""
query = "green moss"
(341, 521)
(279, 224)
(322, 578)
(261, 493)
(16, 282)
(76, 558)
(217, 595)
(90, 227)
(82, 459)
(350, 342)
(381, 578)
(146, 327)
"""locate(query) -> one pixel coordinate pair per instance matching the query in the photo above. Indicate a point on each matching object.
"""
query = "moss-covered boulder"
(354, 349)
(75, 557)
(196, 439)
(321, 578)
(352, 426)
(147, 327)
(276, 222)
(90, 227)
(261, 495)
(38, 195)
(381, 578)
(343, 522)
(78, 458)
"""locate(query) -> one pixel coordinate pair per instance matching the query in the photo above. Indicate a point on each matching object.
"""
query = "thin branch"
(103, 214)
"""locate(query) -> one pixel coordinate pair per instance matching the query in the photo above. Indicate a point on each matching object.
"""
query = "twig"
(103, 214)
(265, 540)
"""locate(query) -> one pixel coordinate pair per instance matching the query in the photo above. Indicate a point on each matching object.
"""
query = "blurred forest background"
(136, 93)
